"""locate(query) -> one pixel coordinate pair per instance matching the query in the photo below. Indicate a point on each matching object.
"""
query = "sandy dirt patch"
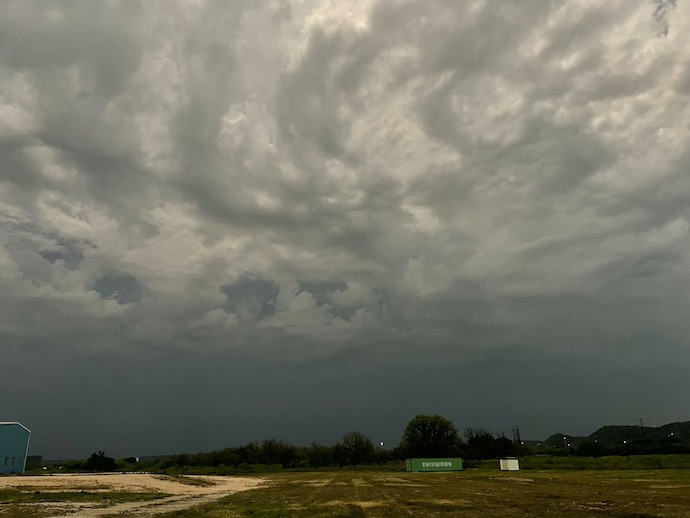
(183, 491)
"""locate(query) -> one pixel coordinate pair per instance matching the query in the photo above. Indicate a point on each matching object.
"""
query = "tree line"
(425, 436)
(670, 445)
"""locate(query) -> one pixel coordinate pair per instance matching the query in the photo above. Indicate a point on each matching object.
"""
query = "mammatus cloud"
(296, 181)
(427, 159)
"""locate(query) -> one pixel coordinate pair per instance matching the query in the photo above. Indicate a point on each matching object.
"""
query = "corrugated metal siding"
(14, 443)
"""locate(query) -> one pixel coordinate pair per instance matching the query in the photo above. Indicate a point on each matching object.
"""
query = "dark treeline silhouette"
(355, 449)
(100, 462)
(425, 436)
(665, 446)
(481, 444)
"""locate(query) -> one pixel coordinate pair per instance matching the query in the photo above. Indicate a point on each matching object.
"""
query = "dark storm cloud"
(341, 197)
(255, 297)
(70, 252)
(122, 287)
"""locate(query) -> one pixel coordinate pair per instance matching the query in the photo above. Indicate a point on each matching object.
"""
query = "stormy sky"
(235, 220)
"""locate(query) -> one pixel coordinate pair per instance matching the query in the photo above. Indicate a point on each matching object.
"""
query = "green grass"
(476, 493)
(611, 462)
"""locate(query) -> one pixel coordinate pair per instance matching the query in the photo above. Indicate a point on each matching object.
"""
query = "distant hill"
(563, 439)
(616, 434)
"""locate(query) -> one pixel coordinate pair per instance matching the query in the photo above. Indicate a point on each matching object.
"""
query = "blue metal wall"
(14, 443)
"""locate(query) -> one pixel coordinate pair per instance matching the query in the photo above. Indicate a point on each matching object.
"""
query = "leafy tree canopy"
(430, 436)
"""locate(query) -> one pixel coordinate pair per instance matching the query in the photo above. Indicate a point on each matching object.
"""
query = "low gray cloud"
(374, 189)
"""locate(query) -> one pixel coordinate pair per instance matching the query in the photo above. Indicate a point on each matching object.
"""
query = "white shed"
(509, 464)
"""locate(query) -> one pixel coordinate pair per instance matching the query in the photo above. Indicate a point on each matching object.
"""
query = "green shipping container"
(434, 464)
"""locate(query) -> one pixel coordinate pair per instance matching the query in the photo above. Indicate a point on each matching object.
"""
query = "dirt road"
(184, 491)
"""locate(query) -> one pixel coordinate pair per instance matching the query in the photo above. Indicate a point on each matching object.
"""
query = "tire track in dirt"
(150, 508)
(177, 493)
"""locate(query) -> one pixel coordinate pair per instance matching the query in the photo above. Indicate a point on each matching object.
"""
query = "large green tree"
(430, 436)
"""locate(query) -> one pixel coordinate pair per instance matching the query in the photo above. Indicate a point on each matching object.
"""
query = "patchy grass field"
(96, 495)
(481, 493)
(23, 504)
(356, 494)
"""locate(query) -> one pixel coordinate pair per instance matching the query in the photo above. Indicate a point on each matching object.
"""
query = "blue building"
(14, 446)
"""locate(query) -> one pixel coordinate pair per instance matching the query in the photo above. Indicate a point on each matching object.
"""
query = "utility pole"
(642, 426)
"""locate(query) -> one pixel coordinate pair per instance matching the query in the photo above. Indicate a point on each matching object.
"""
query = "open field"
(355, 493)
(480, 493)
(92, 496)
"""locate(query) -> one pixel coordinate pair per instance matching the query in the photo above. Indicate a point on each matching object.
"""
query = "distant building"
(14, 445)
